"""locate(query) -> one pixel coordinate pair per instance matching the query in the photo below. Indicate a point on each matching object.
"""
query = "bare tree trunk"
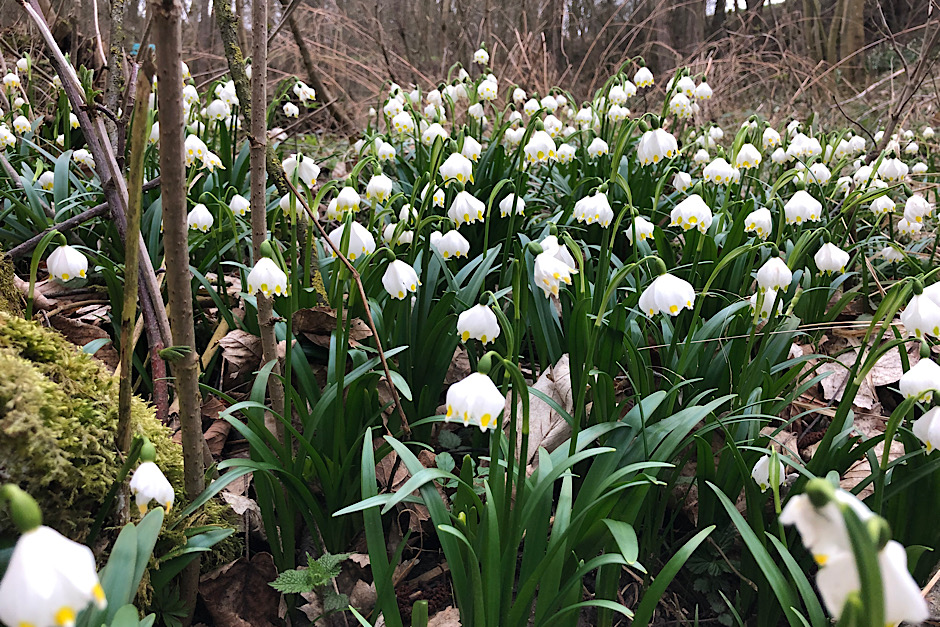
(115, 85)
(167, 19)
(853, 36)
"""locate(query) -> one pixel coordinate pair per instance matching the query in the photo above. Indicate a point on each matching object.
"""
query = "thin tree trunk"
(167, 19)
(115, 85)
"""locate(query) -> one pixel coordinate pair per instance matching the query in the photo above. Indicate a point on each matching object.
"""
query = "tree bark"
(116, 81)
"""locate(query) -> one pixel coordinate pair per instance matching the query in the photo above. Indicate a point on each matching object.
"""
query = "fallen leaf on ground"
(547, 428)
(81, 333)
(242, 352)
(448, 618)
(317, 323)
(238, 594)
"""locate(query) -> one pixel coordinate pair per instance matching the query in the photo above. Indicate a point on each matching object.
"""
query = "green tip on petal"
(880, 531)
(820, 492)
(24, 510)
(148, 452)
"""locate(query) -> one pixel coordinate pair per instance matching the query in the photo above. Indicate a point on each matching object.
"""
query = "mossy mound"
(58, 417)
(10, 300)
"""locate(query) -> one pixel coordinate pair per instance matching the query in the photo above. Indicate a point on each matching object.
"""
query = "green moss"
(10, 300)
(58, 416)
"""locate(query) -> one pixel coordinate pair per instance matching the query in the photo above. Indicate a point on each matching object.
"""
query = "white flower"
(83, 157)
(927, 133)
(819, 173)
(748, 157)
(933, 293)
(475, 400)
(48, 581)
(266, 277)
(22, 64)
(21, 124)
(348, 199)
(218, 110)
(432, 133)
(830, 258)
(761, 472)
(719, 172)
(239, 205)
(617, 95)
(667, 294)
(399, 279)
(823, 529)
(435, 98)
(540, 149)
(154, 133)
(682, 181)
(597, 148)
(194, 149)
(902, 599)
(7, 138)
(149, 484)
(891, 254)
(488, 90)
(531, 107)
(911, 148)
(919, 168)
(479, 323)
(656, 145)
(892, 170)
(553, 266)
(686, 86)
(190, 96)
(212, 161)
(927, 429)
(481, 56)
(802, 208)
(857, 144)
(403, 123)
(566, 153)
(507, 204)
(11, 81)
(361, 241)
(552, 125)
(766, 306)
(513, 136)
(780, 156)
(774, 275)
(379, 188)
(703, 91)
(472, 151)
(692, 213)
(643, 227)
(549, 103)
(906, 227)
(680, 106)
(393, 107)
(643, 77)
(386, 152)
(882, 205)
(917, 208)
(452, 244)
(476, 111)
(388, 235)
(47, 180)
(518, 95)
(200, 218)
(437, 198)
(759, 221)
(305, 93)
(770, 138)
(920, 381)
(466, 209)
(291, 110)
(700, 157)
(307, 170)
(594, 208)
(67, 263)
(921, 317)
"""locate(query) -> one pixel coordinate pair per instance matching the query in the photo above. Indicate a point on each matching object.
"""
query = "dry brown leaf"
(447, 618)
(383, 470)
(547, 428)
(81, 333)
(216, 436)
(238, 594)
(363, 596)
(317, 323)
(459, 367)
(242, 351)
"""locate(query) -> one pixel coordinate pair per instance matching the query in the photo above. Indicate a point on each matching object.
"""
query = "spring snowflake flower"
(566, 153)
(892, 170)
(361, 241)
(348, 199)
(386, 152)
(766, 306)
(802, 207)
(488, 90)
(291, 110)
(437, 198)
(239, 205)
(686, 86)
(882, 205)
(921, 317)
(47, 180)
(818, 173)
(667, 294)
(927, 429)
(393, 107)
(379, 188)
(478, 323)
(194, 149)
(553, 266)
(266, 277)
(11, 81)
(919, 168)
(891, 254)
(774, 275)
(432, 133)
(48, 581)
(399, 279)
(656, 145)
(598, 148)
(7, 138)
(701, 157)
(780, 156)
(718, 172)
(212, 161)
(518, 95)
(917, 208)
(761, 472)
(617, 95)
(451, 244)
(748, 157)
(149, 484)
(200, 218)
(682, 181)
(759, 221)
(549, 103)
(770, 138)
(472, 151)
(21, 124)
(476, 111)
(906, 227)
(509, 203)
(933, 293)
(823, 529)
(920, 381)
(830, 258)
(552, 125)
(540, 149)
(67, 263)
(218, 110)
(680, 106)
(305, 93)
(911, 149)
(594, 208)
(481, 57)
(692, 213)
(465, 209)
(531, 107)
(403, 123)
(643, 77)
(83, 157)
(388, 235)
(703, 91)
(476, 401)
(643, 228)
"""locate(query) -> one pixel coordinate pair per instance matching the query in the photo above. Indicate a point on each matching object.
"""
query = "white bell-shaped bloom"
(882, 205)
(154, 133)
(802, 207)
(305, 93)
(22, 65)
(766, 305)
(481, 57)
(682, 181)
(780, 156)
(686, 86)
(902, 599)
(919, 168)
(748, 157)
(432, 133)
(830, 258)
(194, 149)
(692, 213)
(540, 149)
(927, 133)
(531, 107)
(703, 91)
(823, 529)
(476, 111)
(488, 90)
(478, 323)
(594, 208)
(680, 106)
(388, 235)
(379, 188)
(11, 81)
(361, 241)
(465, 209)
(83, 157)
(21, 124)
(656, 145)
(759, 221)
(566, 153)
(920, 381)
(617, 95)
(553, 266)
(597, 148)
(66, 263)
(933, 293)
(403, 123)
(770, 138)
(518, 95)
(266, 277)
(386, 152)
(218, 110)
(701, 157)
(552, 125)
(513, 136)
(46, 180)
(667, 294)
(200, 218)
(212, 161)
(511, 204)
(911, 149)
(437, 198)
(819, 173)
(891, 254)
(307, 170)
(927, 429)
(906, 227)
(643, 228)
(149, 484)
(719, 172)
(451, 244)
(549, 103)
(892, 170)
(291, 110)
(49, 580)
(476, 401)
(921, 317)
(471, 150)
(774, 275)
(643, 77)
(761, 473)
(400, 279)
(393, 106)
(917, 208)
(239, 205)
(348, 199)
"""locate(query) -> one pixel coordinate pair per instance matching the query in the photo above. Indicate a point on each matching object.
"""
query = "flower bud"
(820, 492)
(23, 508)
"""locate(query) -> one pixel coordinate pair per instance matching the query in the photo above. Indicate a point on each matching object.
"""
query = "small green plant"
(316, 578)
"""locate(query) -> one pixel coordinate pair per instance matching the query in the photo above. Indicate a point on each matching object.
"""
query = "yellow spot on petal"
(465, 336)
(821, 559)
(483, 338)
(673, 309)
(401, 294)
(142, 508)
(65, 276)
(65, 617)
(98, 593)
